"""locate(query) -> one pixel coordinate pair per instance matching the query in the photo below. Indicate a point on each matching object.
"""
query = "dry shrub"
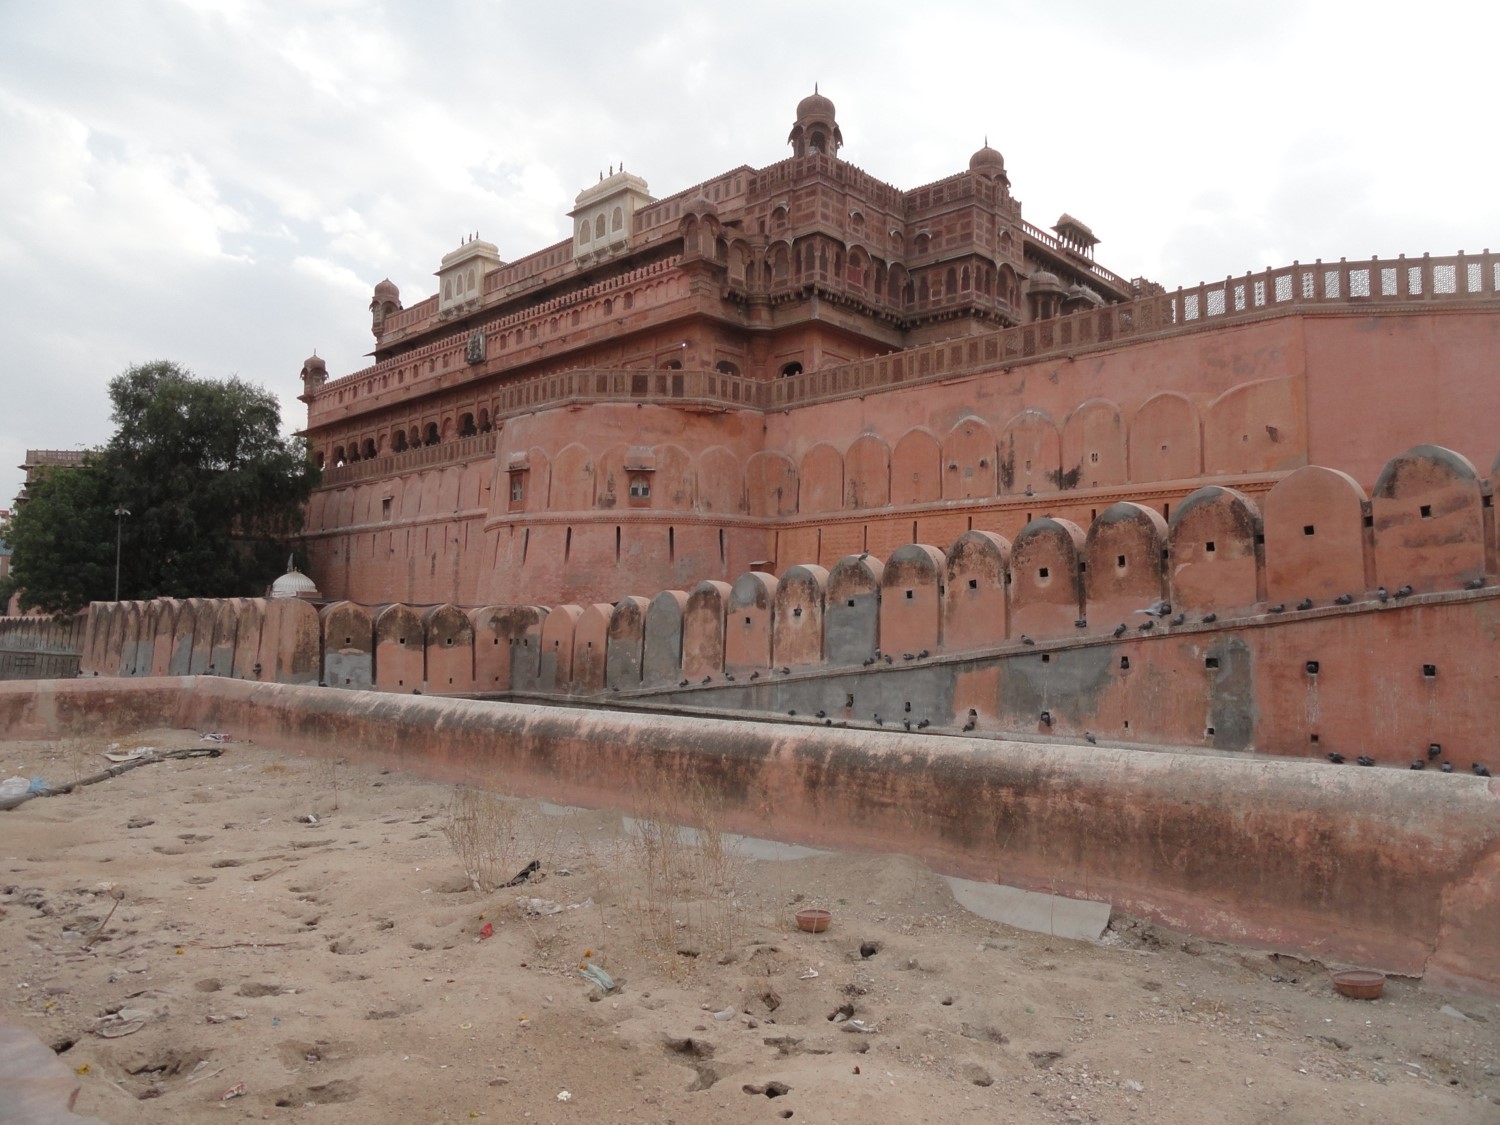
(481, 830)
(691, 900)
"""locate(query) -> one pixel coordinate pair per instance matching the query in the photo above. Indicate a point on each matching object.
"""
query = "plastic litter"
(538, 907)
(599, 977)
(14, 787)
(724, 1016)
(235, 1091)
(132, 755)
(486, 931)
(38, 785)
(564, 1096)
(860, 1026)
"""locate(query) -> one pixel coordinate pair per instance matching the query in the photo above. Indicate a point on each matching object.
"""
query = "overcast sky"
(221, 182)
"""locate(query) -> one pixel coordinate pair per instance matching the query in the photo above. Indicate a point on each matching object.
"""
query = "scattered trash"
(310, 818)
(860, 1026)
(538, 907)
(1453, 1013)
(600, 977)
(14, 787)
(486, 931)
(1132, 1085)
(811, 974)
(126, 1021)
(214, 1017)
(38, 786)
(217, 737)
(235, 1091)
(564, 1096)
(724, 1016)
(132, 755)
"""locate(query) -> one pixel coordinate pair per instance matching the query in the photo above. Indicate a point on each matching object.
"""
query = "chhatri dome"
(988, 162)
(294, 584)
(816, 129)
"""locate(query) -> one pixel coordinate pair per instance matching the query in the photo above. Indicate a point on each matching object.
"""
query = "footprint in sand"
(259, 988)
(201, 880)
(227, 863)
(339, 1090)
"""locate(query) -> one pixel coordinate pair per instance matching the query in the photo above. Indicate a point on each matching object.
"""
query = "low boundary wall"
(1389, 870)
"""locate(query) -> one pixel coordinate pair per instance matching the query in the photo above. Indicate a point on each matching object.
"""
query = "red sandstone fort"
(855, 462)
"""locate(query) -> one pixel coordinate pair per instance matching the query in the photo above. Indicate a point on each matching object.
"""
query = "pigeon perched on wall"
(1474, 584)
(1335, 757)
(1305, 603)
(1146, 626)
(1120, 629)
(1279, 607)
(1025, 640)
(1365, 760)
(1088, 736)
(1446, 767)
(1381, 595)
(1210, 618)
(1343, 599)
(1404, 592)
(1081, 623)
(1157, 609)
(1482, 771)
(1434, 751)
(1417, 764)
(1179, 619)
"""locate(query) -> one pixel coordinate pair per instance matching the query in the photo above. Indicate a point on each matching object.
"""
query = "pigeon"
(791, 712)
(1279, 607)
(1365, 760)
(729, 676)
(971, 724)
(879, 722)
(1482, 771)
(907, 724)
(924, 724)
(908, 656)
(1381, 595)
(1088, 736)
(1343, 599)
(1120, 630)
(1157, 609)
(1146, 626)
(1336, 758)
(1179, 619)
(923, 655)
(868, 662)
(1417, 764)
(828, 722)
(1446, 767)
(1210, 618)
(1404, 592)
(822, 714)
(1081, 623)
(708, 679)
(682, 683)
(888, 659)
(1474, 584)
(1025, 640)
(755, 675)
(1434, 750)
(786, 671)
(1305, 603)
(1046, 718)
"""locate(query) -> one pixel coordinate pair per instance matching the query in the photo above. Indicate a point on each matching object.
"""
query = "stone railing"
(423, 457)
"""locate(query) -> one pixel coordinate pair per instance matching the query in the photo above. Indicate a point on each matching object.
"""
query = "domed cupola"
(817, 129)
(314, 373)
(989, 163)
(385, 302)
(294, 584)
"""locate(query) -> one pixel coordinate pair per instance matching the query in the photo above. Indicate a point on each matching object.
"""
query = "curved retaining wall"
(1387, 869)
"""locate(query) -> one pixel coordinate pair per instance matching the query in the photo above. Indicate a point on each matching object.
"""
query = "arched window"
(398, 442)
(414, 438)
(448, 289)
(922, 290)
(609, 305)
(629, 301)
(318, 460)
(431, 435)
(484, 421)
(790, 369)
(964, 283)
(338, 456)
(950, 282)
(618, 220)
(599, 227)
(673, 365)
(466, 426)
(724, 367)
(469, 284)
(583, 231)
(369, 448)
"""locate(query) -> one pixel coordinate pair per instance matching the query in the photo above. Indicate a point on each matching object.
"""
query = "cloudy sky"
(221, 182)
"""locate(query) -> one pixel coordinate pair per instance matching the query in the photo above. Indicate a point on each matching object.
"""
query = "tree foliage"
(215, 496)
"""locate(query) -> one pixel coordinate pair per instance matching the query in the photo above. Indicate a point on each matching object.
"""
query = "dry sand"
(336, 972)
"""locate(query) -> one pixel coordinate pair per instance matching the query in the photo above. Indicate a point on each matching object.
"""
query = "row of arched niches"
(1317, 544)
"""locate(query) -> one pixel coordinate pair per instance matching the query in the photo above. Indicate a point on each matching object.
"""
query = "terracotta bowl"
(1359, 984)
(813, 921)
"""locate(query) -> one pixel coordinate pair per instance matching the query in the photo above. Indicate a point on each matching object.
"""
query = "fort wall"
(1391, 870)
(1280, 624)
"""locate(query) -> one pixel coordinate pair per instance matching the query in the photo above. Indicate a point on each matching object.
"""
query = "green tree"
(215, 496)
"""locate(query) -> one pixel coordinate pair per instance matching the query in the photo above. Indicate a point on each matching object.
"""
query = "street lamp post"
(120, 514)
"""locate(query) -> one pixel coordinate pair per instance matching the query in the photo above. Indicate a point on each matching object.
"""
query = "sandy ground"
(338, 971)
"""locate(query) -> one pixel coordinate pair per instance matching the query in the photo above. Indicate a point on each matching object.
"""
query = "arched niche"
(348, 646)
(867, 473)
(591, 647)
(703, 630)
(721, 484)
(851, 613)
(1030, 454)
(916, 468)
(747, 625)
(1093, 449)
(572, 488)
(969, 460)
(1256, 427)
(1166, 439)
(821, 480)
(450, 650)
(400, 649)
(771, 485)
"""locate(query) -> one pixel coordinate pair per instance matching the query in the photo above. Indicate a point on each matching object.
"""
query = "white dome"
(294, 584)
